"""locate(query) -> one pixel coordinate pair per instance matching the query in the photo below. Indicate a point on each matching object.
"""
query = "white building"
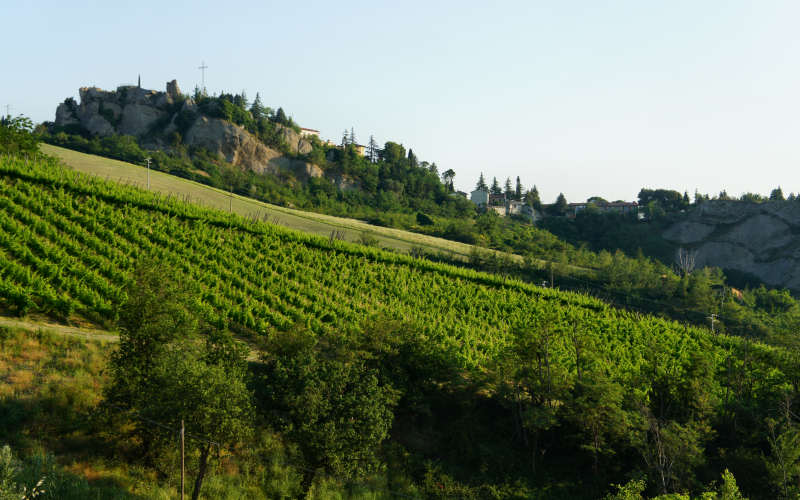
(480, 197)
(308, 132)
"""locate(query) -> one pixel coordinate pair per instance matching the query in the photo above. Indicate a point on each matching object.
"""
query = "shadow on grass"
(40, 437)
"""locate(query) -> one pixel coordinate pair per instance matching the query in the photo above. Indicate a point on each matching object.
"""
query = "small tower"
(139, 83)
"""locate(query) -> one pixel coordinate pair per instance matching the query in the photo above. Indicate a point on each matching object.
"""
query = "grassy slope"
(309, 222)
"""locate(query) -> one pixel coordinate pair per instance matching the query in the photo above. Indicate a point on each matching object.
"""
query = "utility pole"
(202, 69)
(182, 458)
(148, 171)
(713, 318)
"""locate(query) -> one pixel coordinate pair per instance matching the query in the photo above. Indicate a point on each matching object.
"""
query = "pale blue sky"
(585, 97)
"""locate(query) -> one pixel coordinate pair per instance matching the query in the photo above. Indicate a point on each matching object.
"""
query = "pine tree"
(412, 159)
(372, 150)
(518, 191)
(776, 195)
(509, 192)
(280, 116)
(532, 198)
(560, 207)
(345, 139)
(352, 138)
(495, 189)
(257, 109)
(481, 183)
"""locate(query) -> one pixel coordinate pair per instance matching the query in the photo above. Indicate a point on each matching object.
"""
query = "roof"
(309, 129)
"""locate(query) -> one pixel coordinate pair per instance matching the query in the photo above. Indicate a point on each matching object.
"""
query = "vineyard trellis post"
(182, 458)
(147, 160)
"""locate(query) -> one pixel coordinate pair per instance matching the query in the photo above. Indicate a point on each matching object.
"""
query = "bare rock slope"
(762, 239)
(152, 117)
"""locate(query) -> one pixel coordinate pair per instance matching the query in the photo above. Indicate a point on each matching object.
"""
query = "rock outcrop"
(153, 117)
(762, 239)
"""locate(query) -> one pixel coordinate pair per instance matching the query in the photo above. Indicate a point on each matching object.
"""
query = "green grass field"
(310, 222)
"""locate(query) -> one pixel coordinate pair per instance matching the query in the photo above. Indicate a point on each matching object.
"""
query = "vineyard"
(69, 244)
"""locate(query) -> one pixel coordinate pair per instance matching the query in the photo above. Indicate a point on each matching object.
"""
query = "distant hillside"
(229, 143)
(761, 239)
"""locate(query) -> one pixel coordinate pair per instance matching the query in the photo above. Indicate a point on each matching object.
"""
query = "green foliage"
(666, 200)
(331, 403)
(16, 136)
(560, 207)
(424, 220)
(487, 376)
(163, 373)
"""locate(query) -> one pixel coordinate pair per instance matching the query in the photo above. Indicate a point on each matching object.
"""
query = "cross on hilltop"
(202, 69)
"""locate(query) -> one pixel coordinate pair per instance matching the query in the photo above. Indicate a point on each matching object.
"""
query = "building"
(308, 132)
(360, 149)
(479, 197)
(497, 200)
(616, 207)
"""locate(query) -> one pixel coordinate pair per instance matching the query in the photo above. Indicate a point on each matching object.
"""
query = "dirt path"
(67, 331)
(78, 332)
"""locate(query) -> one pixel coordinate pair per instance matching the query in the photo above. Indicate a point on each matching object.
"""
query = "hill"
(226, 142)
(316, 223)
(758, 239)
(504, 390)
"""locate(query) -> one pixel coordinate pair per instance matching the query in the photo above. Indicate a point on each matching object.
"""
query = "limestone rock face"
(762, 239)
(232, 142)
(297, 144)
(65, 115)
(138, 118)
(98, 125)
(173, 90)
(152, 118)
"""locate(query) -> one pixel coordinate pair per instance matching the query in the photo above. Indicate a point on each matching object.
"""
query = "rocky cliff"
(154, 118)
(762, 239)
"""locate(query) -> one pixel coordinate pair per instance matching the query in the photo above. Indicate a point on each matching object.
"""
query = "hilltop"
(163, 120)
(229, 143)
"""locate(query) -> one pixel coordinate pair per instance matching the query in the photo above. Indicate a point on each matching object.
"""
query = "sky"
(588, 98)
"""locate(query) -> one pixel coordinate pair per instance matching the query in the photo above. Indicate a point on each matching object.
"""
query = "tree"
(495, 189)
(166, 371)
(560, 207)
(203, 386)
(784, 463)
(412, 159)
(352, 138)
(508, 190)
(16, 135)
(777, 195)
(345, 139)
(280, 117)
(447, 179)
(372, 149)
(257, 109)
(481, 183)
(518, 190)
(667, 199)
(532, 198)
(329, 402)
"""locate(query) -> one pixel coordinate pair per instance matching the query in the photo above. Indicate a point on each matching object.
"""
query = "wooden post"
(182, 459)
